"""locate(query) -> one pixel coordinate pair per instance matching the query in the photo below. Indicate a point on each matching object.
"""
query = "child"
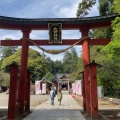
(59, 96)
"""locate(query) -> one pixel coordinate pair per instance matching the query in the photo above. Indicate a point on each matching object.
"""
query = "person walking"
(52, 95)
(59, 96)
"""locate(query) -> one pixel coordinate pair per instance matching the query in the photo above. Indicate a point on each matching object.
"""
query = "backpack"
(53, 94)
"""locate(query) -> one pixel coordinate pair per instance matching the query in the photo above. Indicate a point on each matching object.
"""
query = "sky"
(43, 9)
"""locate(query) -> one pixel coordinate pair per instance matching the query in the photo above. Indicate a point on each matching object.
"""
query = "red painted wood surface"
(46, 42)
(83, 92)
(27, 95)
(93, 91)
(86, 60)
(65, 26)
(23, 72)
(12, 92)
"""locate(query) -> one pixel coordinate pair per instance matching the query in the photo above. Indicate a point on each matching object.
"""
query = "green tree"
(105, 7)
(70, 61)
(36, 63)
(116, 28)
(7, 51)
(4, 79)
(50, 65)
(49, 76)
(66, 62)
(58, 66)
(74, 59)
(84, 7)
(76, 74)
(116, 6)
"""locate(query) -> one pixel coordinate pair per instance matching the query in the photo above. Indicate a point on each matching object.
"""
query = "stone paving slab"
(69, 110)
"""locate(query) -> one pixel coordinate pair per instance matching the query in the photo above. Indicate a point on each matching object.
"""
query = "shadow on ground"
(105, 115)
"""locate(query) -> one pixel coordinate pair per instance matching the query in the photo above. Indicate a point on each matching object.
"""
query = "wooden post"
(93, 89)
(23, 70)
(83, 91)
(86, 60)
(27, 96)
(12, 91)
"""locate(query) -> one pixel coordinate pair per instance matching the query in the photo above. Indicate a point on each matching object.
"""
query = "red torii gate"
(27, 25)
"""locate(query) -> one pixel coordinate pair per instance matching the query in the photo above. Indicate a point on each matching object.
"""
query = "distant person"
(52, 95)
(70, 90)
(59, 96)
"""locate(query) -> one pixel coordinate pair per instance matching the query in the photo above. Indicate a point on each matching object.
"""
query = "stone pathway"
(69, 110)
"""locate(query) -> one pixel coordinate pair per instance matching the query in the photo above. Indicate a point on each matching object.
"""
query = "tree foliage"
(116, 28)
(84, 7)
(116, 6)
(70, 61)
(7, 51)
(105, 7)
(76, 74)
(4, 79)
(36, 64)
(58, 66)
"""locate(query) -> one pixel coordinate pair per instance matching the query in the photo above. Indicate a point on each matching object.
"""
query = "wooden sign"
(55, 32)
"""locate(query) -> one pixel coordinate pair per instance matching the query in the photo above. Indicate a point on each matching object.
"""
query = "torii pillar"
(83, 91)
(86, 60)
(27, 95)
(13, 91)
(93, 89)
(23, 70)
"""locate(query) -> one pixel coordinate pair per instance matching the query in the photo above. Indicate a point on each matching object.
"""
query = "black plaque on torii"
(55, 32)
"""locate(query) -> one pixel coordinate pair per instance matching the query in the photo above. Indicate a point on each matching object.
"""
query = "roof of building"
(44, 79)
(60, 76)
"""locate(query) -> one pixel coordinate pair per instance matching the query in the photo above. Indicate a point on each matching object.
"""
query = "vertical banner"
(43, 88)
(37, 87)
(55, 32)
(79, 87)
(73, 88)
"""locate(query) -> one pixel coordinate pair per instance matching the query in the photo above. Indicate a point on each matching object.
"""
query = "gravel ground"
(107, 110)
(34, 101)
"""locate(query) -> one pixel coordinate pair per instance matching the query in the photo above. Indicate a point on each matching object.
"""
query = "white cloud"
(70, 11)
(71, 34)
(13, 34)
(48, 9)
(6, 1)
(39, 34)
